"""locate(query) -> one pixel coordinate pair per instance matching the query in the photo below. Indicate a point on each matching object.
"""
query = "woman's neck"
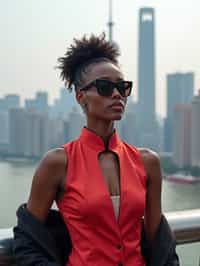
(104, 130)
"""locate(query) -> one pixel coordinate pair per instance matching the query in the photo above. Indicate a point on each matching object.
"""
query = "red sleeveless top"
(98, 238)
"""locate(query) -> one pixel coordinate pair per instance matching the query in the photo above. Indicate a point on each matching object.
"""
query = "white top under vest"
(116, 202)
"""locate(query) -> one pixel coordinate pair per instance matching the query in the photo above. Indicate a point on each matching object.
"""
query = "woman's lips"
(118, 107)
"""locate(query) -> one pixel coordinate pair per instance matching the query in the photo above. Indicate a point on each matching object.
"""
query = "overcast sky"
(34, 33)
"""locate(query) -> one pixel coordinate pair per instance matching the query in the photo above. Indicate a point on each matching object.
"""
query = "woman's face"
(99, 107)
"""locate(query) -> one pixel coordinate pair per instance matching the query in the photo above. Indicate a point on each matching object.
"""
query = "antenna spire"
(110, 22)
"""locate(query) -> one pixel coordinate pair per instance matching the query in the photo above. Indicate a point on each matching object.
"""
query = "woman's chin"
(117, 117)
(113, 117)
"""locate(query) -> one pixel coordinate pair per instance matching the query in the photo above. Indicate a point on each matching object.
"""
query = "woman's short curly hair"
(81, 54)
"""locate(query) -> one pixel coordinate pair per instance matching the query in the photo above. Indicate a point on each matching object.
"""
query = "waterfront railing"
(184, 224)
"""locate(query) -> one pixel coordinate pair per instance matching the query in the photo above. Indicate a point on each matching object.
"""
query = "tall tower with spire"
(110, 21)
(146, 74)
(146, 78)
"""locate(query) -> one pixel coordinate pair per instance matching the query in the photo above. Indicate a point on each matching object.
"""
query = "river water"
(15, 182)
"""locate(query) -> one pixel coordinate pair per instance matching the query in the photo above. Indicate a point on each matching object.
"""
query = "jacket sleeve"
(168, 240)
(173, 259)
(163, 252)
(27, 252)
(37, 244)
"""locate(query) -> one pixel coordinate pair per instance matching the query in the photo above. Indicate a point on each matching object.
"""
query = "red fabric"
(98, 238)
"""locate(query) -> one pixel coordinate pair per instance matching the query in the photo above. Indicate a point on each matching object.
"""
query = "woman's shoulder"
(55, 157)
(150, 159)
(148, 154)
(46, 182)
(145, 153)
(52, 166)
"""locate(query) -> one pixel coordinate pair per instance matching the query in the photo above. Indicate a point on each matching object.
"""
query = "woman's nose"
(116, 93)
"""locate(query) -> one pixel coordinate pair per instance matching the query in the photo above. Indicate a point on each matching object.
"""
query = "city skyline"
(35, 34)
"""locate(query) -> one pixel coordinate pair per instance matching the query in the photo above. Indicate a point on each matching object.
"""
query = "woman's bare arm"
(153, 197)
(48, 178)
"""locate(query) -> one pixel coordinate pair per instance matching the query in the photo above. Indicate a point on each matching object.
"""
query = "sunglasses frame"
(114, 85)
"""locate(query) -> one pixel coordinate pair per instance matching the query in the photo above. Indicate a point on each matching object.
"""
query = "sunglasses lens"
(104, 87)
(124, 87)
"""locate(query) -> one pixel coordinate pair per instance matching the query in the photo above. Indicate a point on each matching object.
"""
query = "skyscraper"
(39, 103)
(76, 122)
(17, 127)
(4, 138)
(64, 104)
(28, 132)
(180, 89)
(9, 101)
(12, 101)
(195, 131)
(182, 135)
(148, 127)
(42, 101)
(146, 62)
(129, 128)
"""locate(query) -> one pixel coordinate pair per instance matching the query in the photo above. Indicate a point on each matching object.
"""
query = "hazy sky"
(34, 33)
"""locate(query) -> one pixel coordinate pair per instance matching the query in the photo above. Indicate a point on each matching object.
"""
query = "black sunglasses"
(105, 87)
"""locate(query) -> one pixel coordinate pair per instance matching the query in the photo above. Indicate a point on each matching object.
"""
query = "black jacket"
(37, 244)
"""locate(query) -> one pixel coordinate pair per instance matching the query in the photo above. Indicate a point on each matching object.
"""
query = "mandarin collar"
(96, 142)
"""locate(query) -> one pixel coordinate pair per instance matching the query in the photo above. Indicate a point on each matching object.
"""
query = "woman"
(102, 186)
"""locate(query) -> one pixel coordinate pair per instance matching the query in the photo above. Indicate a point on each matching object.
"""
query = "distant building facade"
(180, 90)
(17, 128)
(4, 138)
(195, 145)
(56, 132)
(28, 133)
(182, 135)
(4, 133)
(76, 122)
(64, 104)
(9, 101)
(129, 128)
(39, 103)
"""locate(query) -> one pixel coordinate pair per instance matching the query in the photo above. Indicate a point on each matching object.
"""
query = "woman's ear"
(79, 96)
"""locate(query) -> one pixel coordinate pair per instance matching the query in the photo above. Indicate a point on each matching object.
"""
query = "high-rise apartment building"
(4, 132)
(129, 128)
(28, 133)
(9, 101)
(195, 145)
(76, 122)
(57, 137)
(39, 103)
(180, 90)
(64, 104)
(37, 134)
(42, 101)
(4, 127)
(182, 135)
(17, 128)
(12, 101)
(32, 134)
